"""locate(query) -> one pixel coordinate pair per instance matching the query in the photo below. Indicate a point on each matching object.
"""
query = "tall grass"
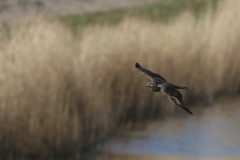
(43, 107)
(201, 54)
(60, 94)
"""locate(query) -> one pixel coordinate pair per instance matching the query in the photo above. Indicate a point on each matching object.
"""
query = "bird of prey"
(158, 83)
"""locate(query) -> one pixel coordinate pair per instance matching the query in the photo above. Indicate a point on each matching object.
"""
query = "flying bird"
(159, 84)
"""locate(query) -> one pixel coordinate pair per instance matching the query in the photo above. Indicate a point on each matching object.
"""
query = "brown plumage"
(158, 83)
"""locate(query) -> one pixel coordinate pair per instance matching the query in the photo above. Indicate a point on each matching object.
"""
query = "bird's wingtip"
(137, 65)
(190, 112)
(186, 109)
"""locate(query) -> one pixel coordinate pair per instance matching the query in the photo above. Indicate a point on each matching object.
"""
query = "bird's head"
(152, 84)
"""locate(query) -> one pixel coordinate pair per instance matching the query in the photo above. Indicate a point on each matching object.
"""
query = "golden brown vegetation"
(60, 93)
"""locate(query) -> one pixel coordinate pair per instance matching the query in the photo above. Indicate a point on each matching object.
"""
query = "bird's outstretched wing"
(176, 97)
(151, 75)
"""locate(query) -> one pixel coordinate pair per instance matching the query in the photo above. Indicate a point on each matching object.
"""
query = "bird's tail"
(179, 87)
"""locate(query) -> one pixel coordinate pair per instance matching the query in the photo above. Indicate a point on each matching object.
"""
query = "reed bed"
(60, 93)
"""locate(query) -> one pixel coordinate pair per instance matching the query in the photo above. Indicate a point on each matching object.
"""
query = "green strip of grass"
(159, 11)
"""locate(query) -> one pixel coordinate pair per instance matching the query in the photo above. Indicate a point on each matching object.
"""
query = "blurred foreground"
(62, 92)
(211, 134)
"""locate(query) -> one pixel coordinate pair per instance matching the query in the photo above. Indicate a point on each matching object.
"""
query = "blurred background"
(70, 90)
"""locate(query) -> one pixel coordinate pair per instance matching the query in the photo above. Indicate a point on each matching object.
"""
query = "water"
(211, 133)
